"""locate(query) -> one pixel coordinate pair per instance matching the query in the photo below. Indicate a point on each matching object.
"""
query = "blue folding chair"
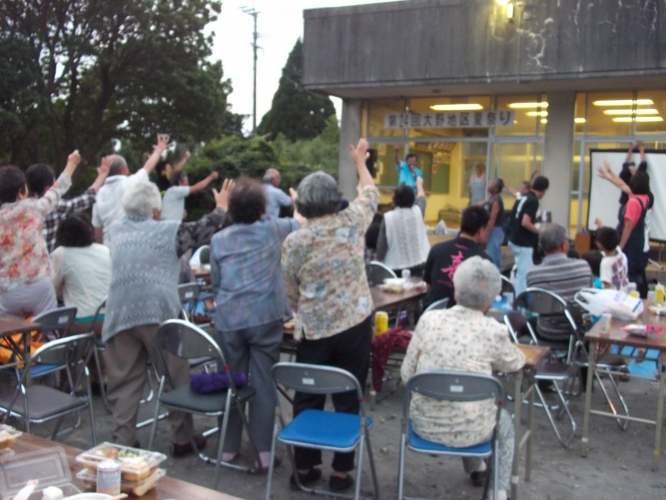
(454, 387)
(319, 429)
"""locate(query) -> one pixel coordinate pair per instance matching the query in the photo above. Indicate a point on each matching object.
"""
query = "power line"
(251, 11)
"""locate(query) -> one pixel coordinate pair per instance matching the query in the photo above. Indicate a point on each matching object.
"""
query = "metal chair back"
(315, 379)
(438, 304)
(72, 352)
(188, 292)
(507, 286)
(56, 320)
(204, 255)
(185, 340)
(378, 272)
(99, 315)
(540, 301)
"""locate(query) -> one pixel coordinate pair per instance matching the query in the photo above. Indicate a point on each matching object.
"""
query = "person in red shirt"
(632, 230)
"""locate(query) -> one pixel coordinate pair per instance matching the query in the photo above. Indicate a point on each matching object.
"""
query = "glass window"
(449, 104)
(650, 118)
(526, 109)
(435, 161)
(516, 163)
(609, 113)
(579, 115)
(379, 108)
(387, 173)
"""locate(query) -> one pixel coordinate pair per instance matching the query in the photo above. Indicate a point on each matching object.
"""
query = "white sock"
(265, 457)
(228, 457)
(482, 467)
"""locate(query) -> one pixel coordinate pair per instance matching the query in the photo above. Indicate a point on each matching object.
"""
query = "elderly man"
(107, 208)
(144, 293)
(40, 178)
(523, 234)
(276, 197)
(463, 339)
(561, 275)
(444, 258)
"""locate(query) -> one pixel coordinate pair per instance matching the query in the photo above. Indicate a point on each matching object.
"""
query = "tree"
(297, 113)
(78, 74)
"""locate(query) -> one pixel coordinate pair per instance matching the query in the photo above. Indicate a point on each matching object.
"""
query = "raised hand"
(359, 153)
(222, 196)
(162, 143)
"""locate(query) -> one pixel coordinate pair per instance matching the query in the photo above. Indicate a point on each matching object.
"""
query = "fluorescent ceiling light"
(639, 111)
(537, 113)
(527, 105)
(456, 107)
(543, 120)
(624, 102)
(579, 120)
(502, 2)
(627, 119)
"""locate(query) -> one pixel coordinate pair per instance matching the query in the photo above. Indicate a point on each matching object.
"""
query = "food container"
(136, 488)
(49, 466)
(135, 464)
(8, 436)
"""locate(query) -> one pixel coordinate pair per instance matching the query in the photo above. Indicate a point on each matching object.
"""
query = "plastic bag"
(618, 303)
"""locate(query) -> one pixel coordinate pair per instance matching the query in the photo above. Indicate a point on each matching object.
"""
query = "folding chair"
(56, 322)
(438, 304)
(455, 387)
(36, 403)
(189, 297)
(507, 286)
(550, 370)
(540, 301)
(184, 340)
(325, 430)
(378, 272)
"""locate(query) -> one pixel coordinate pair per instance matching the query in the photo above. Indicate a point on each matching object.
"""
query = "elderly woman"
(25, 287)
(463, 339)
(80, 269)
(325, 281)
(247, 278)
(143, 293)
(403, 242)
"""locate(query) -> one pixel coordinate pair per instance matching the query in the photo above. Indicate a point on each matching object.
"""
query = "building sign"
(462, 119)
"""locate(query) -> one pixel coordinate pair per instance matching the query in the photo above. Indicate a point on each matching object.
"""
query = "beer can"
(605, 323)
(381, 323)
(108, 477)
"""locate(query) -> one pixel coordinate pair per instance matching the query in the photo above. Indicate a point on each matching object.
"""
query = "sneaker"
(180, 450)
(336, 483)
(312, 476)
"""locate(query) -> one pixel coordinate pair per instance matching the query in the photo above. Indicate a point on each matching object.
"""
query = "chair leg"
(100, 377)
(269, 479)
(401, 466)
(359, 467)
(90, 412)
(153, 428)
(495, 468)
(564, 442)
(620, 422)
(371, 458)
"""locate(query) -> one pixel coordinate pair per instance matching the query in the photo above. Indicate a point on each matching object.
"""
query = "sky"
(280, 24)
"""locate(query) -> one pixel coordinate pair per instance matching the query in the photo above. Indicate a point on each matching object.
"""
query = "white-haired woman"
(324, 276)
(143, 293)
(464, 339)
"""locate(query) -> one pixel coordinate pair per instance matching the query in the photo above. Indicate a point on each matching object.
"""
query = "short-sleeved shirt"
(276, 198)
(613, 270)
(499, 222)
(323, 268)
(443, 260)
(246, 274)
(173, 203)
(405, 175)
(108, 207)
(518, 235)
(634, 209)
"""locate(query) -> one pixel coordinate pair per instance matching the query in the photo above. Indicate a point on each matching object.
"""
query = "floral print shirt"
(24, 258)
(457, 339)
(324, 271)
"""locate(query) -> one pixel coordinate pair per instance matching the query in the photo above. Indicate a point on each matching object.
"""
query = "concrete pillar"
(557, 155)
(350, 133)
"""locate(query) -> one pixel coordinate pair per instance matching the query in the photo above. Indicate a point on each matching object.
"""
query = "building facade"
(525, 87)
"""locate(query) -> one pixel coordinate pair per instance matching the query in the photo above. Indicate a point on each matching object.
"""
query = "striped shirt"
(563, 276)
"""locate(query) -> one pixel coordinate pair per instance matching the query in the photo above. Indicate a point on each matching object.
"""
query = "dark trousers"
(349, 350)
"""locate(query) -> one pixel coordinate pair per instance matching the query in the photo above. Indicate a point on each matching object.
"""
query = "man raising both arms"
(173, 203)
(407, 170)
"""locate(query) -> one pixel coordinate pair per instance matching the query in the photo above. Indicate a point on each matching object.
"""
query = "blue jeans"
(523, 256)
(493, 246)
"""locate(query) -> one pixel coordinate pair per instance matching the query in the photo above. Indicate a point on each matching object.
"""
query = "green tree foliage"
(78, 74)
(296, 113)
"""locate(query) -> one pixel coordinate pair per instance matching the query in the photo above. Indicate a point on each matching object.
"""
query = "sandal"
(312, 476)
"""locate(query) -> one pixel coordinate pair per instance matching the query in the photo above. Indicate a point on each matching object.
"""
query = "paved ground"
(618, 465)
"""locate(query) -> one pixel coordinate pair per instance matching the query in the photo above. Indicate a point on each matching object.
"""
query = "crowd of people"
(264, 268)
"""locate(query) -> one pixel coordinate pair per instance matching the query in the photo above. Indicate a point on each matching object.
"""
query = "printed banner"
(462, 119)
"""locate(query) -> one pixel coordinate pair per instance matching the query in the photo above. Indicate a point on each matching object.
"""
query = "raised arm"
(162, 145)
(359, 154)
(47, 203)
(509, 188)
(606, 172)
(641, 150)
(102, 172)
(181, 163)
(396, 155)
(629, 153)
(202, 184)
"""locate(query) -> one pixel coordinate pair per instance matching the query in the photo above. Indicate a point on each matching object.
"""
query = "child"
(613, 271)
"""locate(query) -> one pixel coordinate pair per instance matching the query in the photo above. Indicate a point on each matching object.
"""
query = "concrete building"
(435, 76)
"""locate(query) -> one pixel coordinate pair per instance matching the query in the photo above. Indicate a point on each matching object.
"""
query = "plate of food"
(135, 464)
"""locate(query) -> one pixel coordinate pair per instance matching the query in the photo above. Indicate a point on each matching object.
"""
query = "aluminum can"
(605, 323)
(659, 295)
(108, 477)
(381, 323)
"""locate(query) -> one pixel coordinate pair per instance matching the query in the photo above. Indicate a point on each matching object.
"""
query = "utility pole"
(254, 13)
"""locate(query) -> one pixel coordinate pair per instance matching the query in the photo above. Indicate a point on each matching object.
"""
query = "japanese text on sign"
(463, 119)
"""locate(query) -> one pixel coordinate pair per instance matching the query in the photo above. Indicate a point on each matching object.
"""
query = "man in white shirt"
(173, 202)
(276, 197)
(107, 208)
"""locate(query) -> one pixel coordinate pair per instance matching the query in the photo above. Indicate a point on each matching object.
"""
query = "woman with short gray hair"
(464, 339)
(324, 276)
(143, 293)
